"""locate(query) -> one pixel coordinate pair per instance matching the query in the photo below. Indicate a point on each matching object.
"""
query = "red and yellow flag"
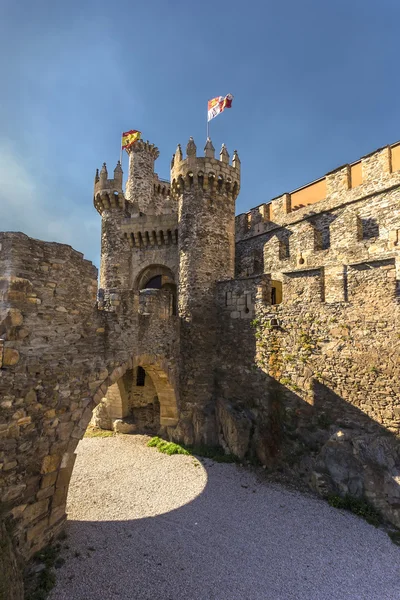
(129, 138)
(218, 105)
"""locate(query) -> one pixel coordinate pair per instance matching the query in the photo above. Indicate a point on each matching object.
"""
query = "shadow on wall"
(306, 386)
(331, 444)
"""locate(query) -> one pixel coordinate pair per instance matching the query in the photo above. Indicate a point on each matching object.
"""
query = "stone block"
(120, 426)
(59, 497)
(45, 492)
(49, 479)
(57, 514)
(36, 532)
(10, 357)
(50, 463)
(33, 511)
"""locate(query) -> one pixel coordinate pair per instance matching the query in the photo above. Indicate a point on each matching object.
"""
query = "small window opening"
(140, 376)
(154, 283)
(246, 310)
(276, 291)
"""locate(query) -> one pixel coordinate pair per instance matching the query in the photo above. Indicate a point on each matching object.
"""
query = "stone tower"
(139, 228)
(110, 203)
(140, 184)
(206, 189)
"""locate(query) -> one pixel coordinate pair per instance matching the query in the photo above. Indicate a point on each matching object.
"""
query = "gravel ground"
(143, 525)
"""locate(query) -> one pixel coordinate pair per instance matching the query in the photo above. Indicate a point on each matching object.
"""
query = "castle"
(274, 334)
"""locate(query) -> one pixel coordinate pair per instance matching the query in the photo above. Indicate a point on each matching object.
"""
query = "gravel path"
(145, 526)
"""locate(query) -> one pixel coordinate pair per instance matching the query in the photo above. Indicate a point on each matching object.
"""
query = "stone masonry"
(278, 341)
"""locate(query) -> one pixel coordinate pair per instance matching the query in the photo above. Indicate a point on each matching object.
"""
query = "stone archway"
(151, 272)
(116, 402)
(57, 470)
(158, 371)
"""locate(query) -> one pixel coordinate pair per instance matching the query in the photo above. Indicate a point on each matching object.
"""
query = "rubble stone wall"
(314, 380)
(59, 356)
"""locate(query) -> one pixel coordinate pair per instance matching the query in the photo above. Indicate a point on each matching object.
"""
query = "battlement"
(147, 231)
(162, 187)
(371, 174)
(144, 147)
(205, 172)
(108, 193)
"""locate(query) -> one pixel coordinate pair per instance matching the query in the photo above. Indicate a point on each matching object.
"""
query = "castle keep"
(274, 334)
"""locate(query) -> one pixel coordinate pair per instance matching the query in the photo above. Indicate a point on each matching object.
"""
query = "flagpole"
(120, 152)
(208, 127)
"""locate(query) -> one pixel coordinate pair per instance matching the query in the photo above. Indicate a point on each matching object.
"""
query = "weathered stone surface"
(236, 426)
(101, 417)
(123, 426)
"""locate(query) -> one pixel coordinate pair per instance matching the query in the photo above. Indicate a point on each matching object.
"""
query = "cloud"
(32, 203)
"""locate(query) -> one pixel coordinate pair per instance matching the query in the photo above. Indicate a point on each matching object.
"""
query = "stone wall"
(314, 380)
(59, 356)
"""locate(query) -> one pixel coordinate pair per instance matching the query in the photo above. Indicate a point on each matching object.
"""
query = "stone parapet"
(380, 172)
(108, 193)
(206, 173)
(143, 231)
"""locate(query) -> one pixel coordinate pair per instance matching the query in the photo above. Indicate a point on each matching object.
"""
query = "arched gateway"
(142, 396)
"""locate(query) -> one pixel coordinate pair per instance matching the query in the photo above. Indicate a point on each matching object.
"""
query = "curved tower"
(110, 203)
(206, 190)
(140, 184)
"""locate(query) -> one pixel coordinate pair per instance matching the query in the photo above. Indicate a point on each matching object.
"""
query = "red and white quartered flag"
(218, 105)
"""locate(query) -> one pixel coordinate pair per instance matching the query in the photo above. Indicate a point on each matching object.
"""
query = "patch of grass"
(92, 432)
(215, 453)
(169, 448)
(358, 507)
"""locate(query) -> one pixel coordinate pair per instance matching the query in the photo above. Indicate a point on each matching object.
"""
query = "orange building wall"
(396, 157)
(356, 174)
(309, 195)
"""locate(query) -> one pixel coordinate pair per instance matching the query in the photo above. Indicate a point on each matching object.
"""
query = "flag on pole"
(129, 138)
(218, 105)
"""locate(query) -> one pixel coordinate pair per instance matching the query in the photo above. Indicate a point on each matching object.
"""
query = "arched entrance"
(143, 397)
(158, 277)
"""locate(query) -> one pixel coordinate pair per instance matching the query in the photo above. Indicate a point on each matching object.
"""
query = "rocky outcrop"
(362, 466)
(101, 417)
(123, 426)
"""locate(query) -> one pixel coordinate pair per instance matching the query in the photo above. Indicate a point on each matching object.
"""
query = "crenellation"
(377, 165)
(280, 207)
(338, 181)
(207, 173)
(345, 185)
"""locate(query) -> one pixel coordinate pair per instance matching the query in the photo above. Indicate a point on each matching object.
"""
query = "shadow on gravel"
(239, 539)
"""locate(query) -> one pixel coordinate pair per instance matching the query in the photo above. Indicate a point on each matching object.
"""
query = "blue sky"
(315, 83)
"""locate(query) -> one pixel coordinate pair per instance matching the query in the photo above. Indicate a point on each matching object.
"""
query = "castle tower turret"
(140, 184)
(109, 201)
(206, 189)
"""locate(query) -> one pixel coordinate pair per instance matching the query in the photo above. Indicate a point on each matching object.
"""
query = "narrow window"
(140, 376)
